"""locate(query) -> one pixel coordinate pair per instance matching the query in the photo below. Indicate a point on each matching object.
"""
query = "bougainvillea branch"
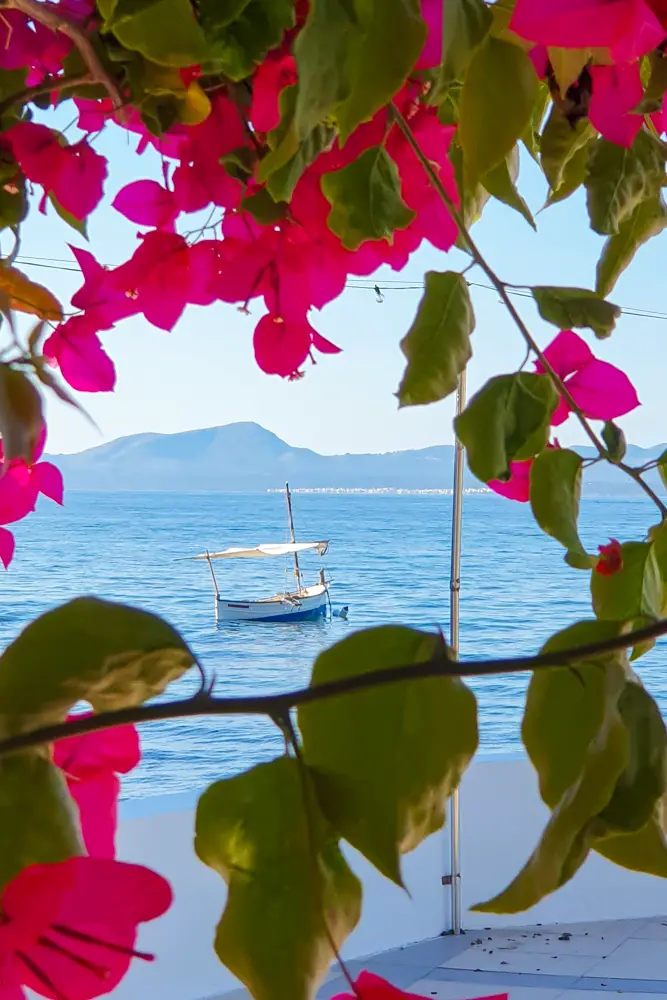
(277, 706)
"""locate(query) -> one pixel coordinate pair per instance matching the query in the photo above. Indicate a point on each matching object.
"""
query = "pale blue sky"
(203, 373)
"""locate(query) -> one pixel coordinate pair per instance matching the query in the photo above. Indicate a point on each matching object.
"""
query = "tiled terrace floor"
(572, 962)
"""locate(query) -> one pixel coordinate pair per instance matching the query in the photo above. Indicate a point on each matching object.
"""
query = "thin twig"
(49, 15)
(501, 287)
(276, 705)
(52, 83)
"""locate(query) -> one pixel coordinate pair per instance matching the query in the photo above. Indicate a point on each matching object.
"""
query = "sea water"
(389, 560)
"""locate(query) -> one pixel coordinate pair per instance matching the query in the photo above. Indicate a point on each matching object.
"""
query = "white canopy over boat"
(266, 550)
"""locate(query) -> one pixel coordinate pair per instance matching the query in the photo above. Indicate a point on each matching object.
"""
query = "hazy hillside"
(245, 456)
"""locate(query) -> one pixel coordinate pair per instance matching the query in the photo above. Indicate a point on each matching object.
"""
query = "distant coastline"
(381, 490)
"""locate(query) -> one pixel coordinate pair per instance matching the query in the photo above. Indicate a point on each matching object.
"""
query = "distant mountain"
(246, 457)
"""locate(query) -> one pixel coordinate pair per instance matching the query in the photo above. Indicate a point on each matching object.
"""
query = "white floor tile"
(470, 991)
(562, 943)
(503, 960)
(606, 995)
(634, 959)
(652, 930)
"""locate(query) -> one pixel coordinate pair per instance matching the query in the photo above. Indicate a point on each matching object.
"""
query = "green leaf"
(39, 823)
(386, 760)
(634, 591)
(437, 345)
(473, 196)
(501, 183)
(662, 467)
(564, 710)
(110, 655)
(386, 45)
(565, 707)
(574, 175)
(290, 155)
(569, 308)
(165, 32)
(575, 823)
(507, 419)
(496, 105)
(79, 225)
(465, 25)
(124, 10)
(643, 783)
(13, 203)
(620, 179)
(322, 50)
(264, 833)
(240, 34)
(555, 492)
(657, 82)
(648, 220)
(614, 440)
(263, 208)
(559, 143)
(365, 199)
(531, 137)
(21, 417)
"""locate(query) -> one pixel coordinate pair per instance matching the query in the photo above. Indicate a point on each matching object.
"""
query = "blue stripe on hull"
(296, 616)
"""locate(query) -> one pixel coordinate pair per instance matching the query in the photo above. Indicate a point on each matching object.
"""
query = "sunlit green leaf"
(79, 225)
(620, 179)
(239, 34)
(501, 183)
(473, 195)
(265, 834)
(465, 24)
(122, 10)
(496, 104)
(560, 142)
(110, 655)
(21, 417)
(38, 820)
(263, 208)
(386, 45)
(507, 419)
(531, 137)
(437, 345)
(365, 199)
(569, 308)
(555, 492)
(165, 32)
(290, 155)
(656, 85)
(632, 592)
(574, 175)
(649, 219)
(386, 760)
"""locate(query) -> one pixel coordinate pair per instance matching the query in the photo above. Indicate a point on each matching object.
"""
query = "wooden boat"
(301, 604)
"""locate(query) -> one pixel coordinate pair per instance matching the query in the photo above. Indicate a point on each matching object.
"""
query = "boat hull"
(308, 606)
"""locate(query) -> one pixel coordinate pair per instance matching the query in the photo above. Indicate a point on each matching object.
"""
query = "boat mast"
(297, 568)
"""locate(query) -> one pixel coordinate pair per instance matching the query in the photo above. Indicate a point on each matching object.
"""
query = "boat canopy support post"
(454, 879)
(215, 582)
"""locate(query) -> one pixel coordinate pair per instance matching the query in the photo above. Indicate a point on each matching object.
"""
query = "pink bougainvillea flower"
(205, 182)
(600, 390)
(102, 303)
(431, 55)
(17, 40)
(84, 364)
(158, 277)
(73, 174)
(93, 115)
(69, 929)
(617, 91)
(281, 347)
(371, 987)
(80, 182)
(147, 203)
(7, 547)
(611, 558)
(629, 28)
(91, 764)
(271, 78)
(517, 486)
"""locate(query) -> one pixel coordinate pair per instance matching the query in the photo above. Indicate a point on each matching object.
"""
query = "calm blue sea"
(389, 561)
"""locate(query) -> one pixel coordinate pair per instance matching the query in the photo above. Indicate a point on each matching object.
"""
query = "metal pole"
(455, 591)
